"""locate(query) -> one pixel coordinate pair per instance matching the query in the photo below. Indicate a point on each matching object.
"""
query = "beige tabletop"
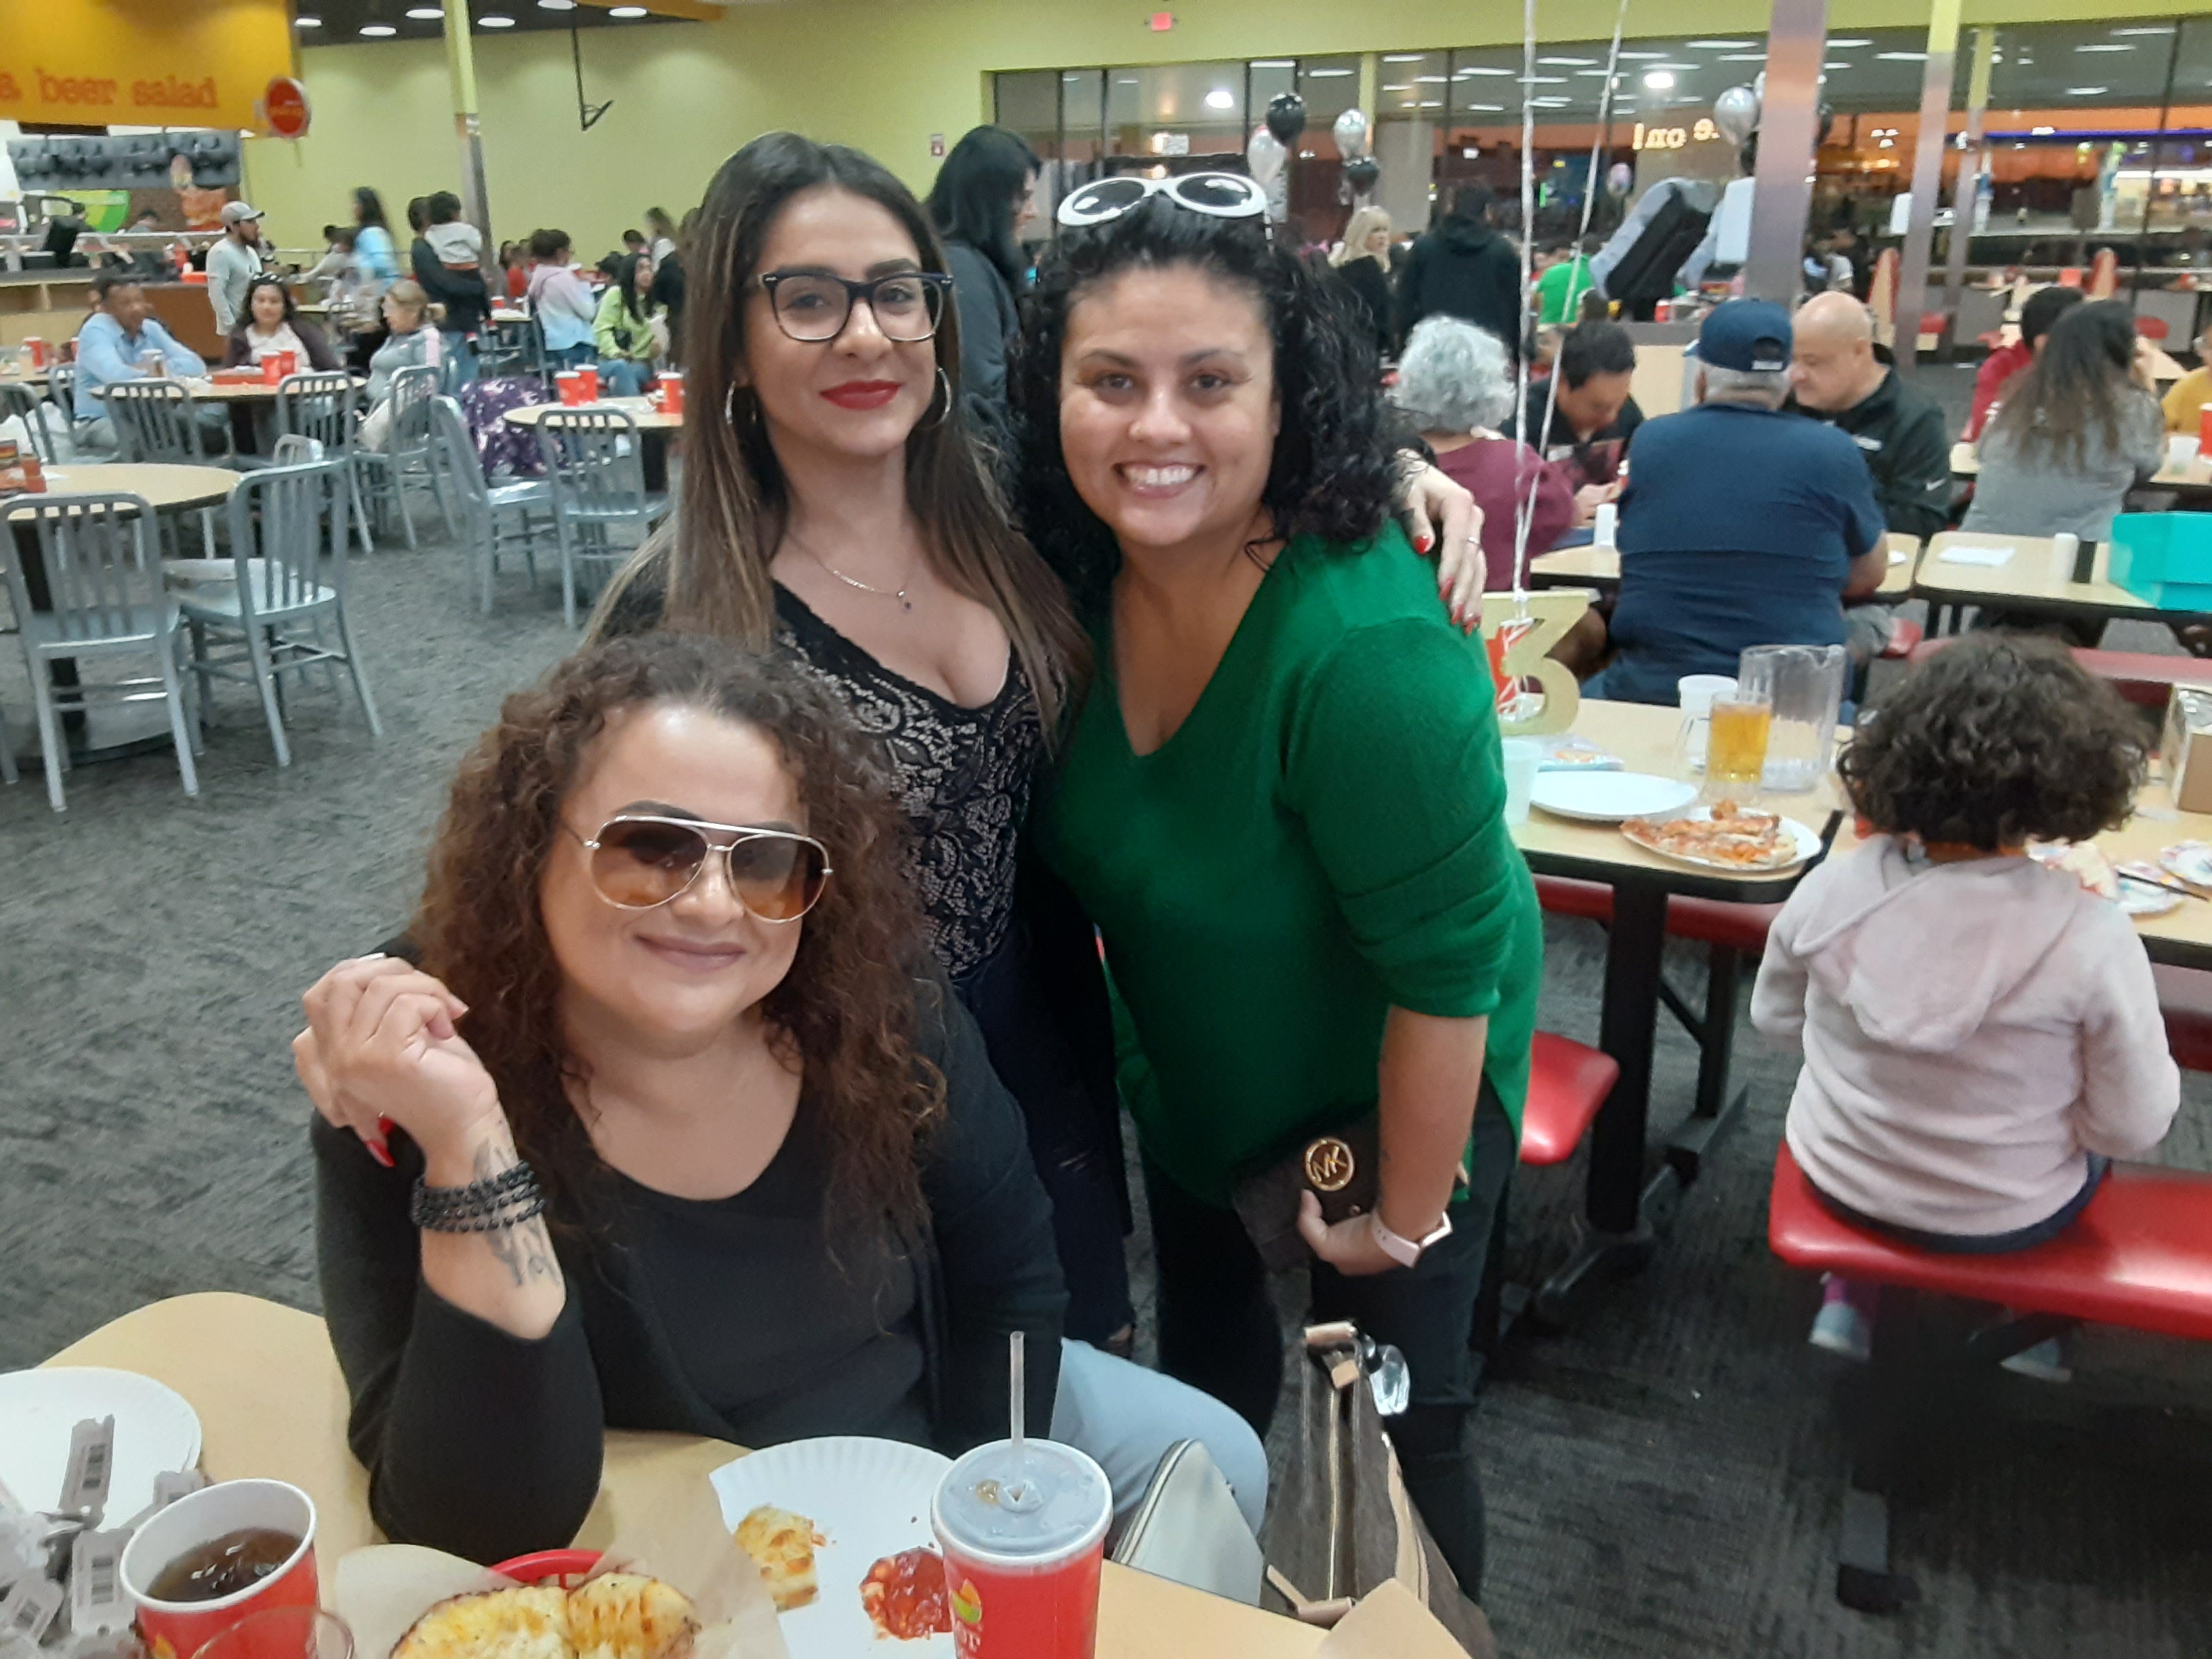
(1643, 736)
(11, 375)
(226, 392)
(508, 314)
(163, 484)
(2183, 934)
(1601, 566)
(272, 1404)
(640, 409)
(2196, 475)
(2031, 574)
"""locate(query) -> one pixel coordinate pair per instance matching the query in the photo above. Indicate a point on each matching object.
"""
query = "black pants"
(1218, 1332)
(1074, 1126)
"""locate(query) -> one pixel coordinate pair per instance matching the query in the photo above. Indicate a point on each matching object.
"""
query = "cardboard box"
(2163, 558)
(2187, 749)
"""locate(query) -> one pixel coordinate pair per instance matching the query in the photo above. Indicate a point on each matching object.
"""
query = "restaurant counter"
(53, 304)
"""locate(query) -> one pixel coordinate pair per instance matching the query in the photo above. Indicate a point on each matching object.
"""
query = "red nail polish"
(1424, 544)
(385, 1126)
(380, 1152)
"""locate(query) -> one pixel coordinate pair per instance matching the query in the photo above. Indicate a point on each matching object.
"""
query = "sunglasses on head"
(639, 861)
(1218, 195)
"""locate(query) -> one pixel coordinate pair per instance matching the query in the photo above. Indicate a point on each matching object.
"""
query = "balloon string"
(1522, 506)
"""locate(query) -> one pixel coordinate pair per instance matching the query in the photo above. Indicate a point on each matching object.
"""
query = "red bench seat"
(2143, 677)
(2140, 1255)
(1568, 1082)
(1710, 922)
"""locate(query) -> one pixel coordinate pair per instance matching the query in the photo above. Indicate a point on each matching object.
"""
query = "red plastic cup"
(570, 382)
(671, 394)
(37, 348)
(590, 376)
(1024, 1545)
(2204, 430)
(171, 1628)
(281, 1633)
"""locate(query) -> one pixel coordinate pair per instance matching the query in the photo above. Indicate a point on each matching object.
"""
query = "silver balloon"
(1265, 157)
(1735, 112)
(1351, 134)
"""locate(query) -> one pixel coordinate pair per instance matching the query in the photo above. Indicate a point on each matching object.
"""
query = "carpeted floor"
(1664, 1482)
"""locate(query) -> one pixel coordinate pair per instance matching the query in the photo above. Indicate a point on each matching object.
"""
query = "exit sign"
(1162, 21)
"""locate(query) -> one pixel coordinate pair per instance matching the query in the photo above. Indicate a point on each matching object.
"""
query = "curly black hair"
(1999, 739)
(1331, 475)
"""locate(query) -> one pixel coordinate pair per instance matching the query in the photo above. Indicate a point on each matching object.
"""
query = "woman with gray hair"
(1456, 381)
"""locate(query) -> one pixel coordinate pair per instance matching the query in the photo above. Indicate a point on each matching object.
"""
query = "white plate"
(155, 1431)
(870, 1498)
(2190, 859)
(1808, 845)
(1609, 797)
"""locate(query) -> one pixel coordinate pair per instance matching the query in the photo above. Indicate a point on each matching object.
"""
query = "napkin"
(1898, 555)
(1989, 556)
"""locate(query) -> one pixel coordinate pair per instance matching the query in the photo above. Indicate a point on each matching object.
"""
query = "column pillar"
(1974, 162)
(468, 125)
(1796, 38)
(1927, 182)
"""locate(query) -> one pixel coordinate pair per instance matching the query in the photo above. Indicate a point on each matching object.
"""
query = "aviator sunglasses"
(1218, 195)
(639, 860)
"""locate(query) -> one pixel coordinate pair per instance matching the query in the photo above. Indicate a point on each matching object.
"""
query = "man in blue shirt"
(120, 341)
(1741, 525)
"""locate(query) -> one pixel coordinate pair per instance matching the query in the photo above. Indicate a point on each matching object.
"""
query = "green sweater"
(1322, 840)
(615, 332)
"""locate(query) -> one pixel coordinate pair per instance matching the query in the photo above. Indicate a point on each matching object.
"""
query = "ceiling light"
(1432, 80)
(2105, 45)
(1596, 75)
(1125, 81)
(1403, 56)
(1550, 103)
(1274, 62)
(2041, 132)
(378, 31)
(308, 22)
(556, 5)
(2087, 91)
(1643, 54)
(1849, 40)
(1659, 80)
(627, 11)
(1543, 80)
(1902, 57)
(1485, 69)
(2160, 28)
(1887, 143)
(1839, 64)
(1434, 103)
(1743, 58)
(1221, 98)
(426, 14)
(1401, 87)
(494, 20)
(1495, 107)
(1318, 74)
(1568, 63)
(1718, 46)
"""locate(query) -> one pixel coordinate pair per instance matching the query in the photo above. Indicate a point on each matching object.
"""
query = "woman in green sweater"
(622, 330)
(1282, 800)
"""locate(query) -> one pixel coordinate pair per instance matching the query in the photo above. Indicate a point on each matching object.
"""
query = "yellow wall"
(883, 75)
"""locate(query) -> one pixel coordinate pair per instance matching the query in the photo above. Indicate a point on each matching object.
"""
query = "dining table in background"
(272, 1404)
(1591, 566)
(252, 403)
(2030, 579)
(657, 429)
(2191, 480)
(1618, 1236)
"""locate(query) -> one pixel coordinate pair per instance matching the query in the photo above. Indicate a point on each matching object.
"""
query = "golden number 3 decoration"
(1534, 624)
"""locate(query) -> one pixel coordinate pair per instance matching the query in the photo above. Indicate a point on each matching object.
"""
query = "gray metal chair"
(40, 421)
(495, 518)
(100, 582)
(288, 579)
(325, 406)
(406, 456)
(595, 462)
(61, 382)
(154, 421)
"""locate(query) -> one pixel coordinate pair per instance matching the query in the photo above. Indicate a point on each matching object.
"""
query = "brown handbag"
(1342, 1169)
(1340, 1521)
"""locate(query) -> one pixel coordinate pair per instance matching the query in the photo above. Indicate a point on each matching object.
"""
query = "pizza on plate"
(782, 1546)
(617, 1615)
(1740, 838)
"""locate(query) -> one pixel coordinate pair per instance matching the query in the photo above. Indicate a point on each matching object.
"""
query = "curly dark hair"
(1331, 474)
(845, 1010)
(1999, 739)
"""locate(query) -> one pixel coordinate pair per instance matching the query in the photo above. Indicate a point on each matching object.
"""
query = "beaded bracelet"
(507, 1200)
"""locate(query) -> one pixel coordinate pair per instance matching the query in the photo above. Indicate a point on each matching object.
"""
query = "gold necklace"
(899, 593)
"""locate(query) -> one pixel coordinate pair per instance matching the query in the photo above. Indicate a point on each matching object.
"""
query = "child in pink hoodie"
(1981, 1033)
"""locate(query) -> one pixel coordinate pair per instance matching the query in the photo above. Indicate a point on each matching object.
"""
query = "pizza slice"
(782, 1546)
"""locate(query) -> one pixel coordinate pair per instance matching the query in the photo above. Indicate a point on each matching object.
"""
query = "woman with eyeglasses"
(674, 1127)
(1282, 802)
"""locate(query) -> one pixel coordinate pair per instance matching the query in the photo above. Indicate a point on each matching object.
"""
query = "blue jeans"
(460, 360)
(622, 378)
(1127, 1418)
(575, 357)
(2019, 1238)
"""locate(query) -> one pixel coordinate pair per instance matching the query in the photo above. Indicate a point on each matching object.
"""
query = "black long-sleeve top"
(464, 295)
(487, 1445)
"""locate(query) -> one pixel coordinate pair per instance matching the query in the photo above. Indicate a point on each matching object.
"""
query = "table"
(2194, 479)
(2183, 936)
(1600, 567)
(272, 1404)
(165, 485)
(1618, 1236)
(2031, 579)
(649, 418)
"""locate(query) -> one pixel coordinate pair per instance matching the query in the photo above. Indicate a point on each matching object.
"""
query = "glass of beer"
(1736, 744)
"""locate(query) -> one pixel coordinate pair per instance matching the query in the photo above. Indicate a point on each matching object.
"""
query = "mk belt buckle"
(1330, 1164)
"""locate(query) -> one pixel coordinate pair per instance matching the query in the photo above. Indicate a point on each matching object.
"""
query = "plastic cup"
(171, 1628)
(671, 394)
(1025, 1543)
(2180, 451)
(571, 386)
(1736, 745)
(37, 348)
(281, 1633)
(1523, 758)
(589, 376)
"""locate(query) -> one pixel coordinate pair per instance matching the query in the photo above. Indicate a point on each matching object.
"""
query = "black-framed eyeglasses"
(813, 306)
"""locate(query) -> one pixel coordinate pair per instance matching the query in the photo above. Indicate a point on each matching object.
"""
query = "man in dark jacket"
(461, 290)
(1465, 269)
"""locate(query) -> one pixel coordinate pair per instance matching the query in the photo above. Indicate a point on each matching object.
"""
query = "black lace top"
(963, 774)
(963, 777)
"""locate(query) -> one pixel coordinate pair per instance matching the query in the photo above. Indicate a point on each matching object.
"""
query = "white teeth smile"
(1158, 477)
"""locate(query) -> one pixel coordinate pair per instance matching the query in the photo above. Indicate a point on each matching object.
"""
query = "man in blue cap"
(1741, 525)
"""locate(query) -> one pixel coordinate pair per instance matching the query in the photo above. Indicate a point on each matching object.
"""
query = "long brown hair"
(845, 1010)
(2073, 402)
(713, 558)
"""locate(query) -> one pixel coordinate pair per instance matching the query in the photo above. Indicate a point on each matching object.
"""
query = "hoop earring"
(730, 410)
(943, 385)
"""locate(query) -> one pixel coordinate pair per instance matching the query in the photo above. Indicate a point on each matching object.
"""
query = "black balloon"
(1363, 173)
(1286, 117)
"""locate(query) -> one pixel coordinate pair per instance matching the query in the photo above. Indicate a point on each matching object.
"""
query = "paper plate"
(2190, 859)
(1809, 846)
(870, 1498)
(155, 1431)
(1609, 797)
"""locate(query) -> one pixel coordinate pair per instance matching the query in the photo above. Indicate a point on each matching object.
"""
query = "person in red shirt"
(2044, 308)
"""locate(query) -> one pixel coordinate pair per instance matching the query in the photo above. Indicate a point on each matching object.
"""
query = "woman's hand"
(1349, 1247)
(1589, 498)
(380, 1050)
(1444, 519)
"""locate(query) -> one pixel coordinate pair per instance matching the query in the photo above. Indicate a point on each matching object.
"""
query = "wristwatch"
(1405, 1251)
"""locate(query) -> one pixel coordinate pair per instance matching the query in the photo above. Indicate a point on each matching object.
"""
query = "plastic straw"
(1017, 1368)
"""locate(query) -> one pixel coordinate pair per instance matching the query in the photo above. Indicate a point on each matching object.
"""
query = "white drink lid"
(1056, 1503)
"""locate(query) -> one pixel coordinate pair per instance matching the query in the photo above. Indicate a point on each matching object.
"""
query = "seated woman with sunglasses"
(1282, 801)
(668, 1131)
